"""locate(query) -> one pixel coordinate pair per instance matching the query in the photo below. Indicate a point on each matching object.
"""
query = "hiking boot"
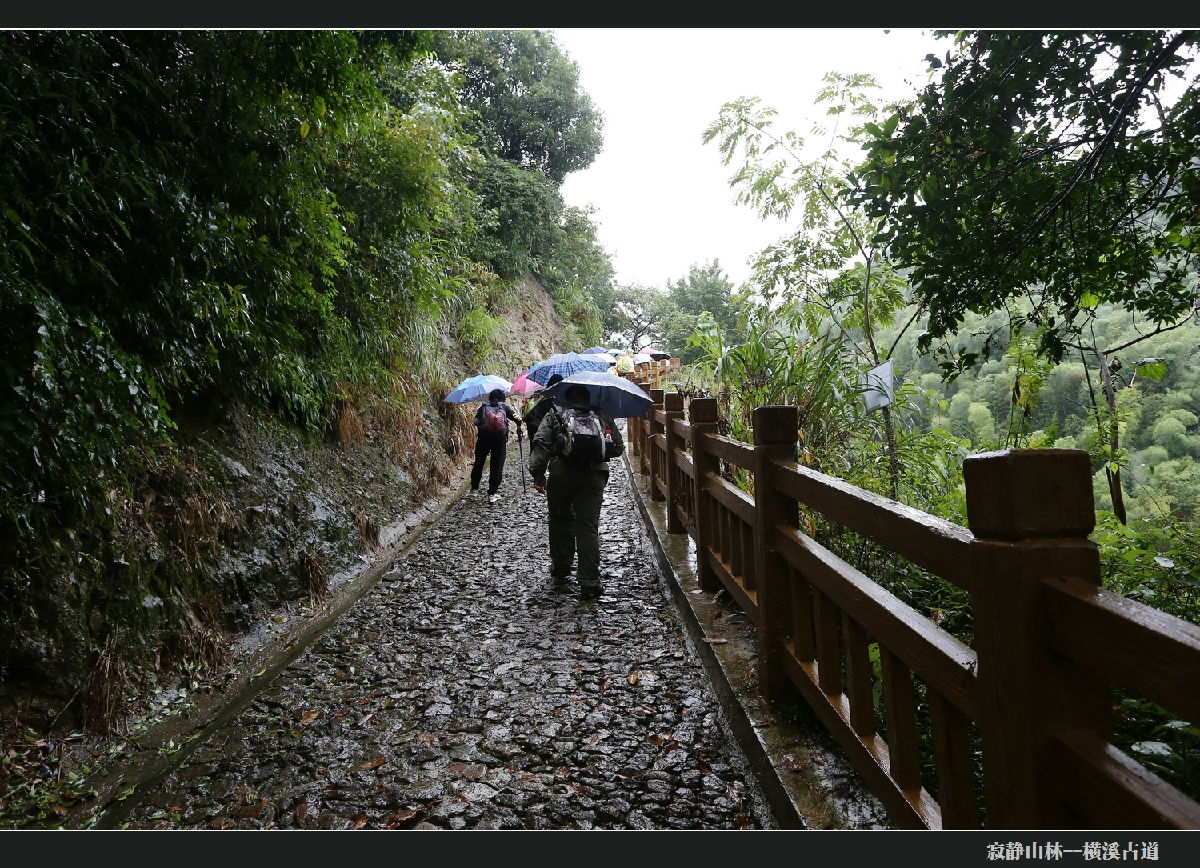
(589, 592)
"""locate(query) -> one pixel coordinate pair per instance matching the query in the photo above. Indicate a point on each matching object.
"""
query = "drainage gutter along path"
(466, 690)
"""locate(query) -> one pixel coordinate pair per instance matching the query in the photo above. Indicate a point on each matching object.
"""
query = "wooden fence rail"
(1019, 724)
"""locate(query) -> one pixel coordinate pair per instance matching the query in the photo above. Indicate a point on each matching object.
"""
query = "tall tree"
(636, 315)
(198, 210)
(832, 265)
(535, 125)
(1057, 166)
(705, 289)
(1061, 168)
(531, 109)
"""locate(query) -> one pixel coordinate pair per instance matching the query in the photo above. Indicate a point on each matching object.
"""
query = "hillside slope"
(244, 530)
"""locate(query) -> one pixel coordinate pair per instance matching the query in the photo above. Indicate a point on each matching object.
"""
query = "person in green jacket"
(574, 487)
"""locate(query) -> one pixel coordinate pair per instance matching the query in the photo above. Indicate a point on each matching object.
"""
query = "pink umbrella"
(522, 385)
(654, 354)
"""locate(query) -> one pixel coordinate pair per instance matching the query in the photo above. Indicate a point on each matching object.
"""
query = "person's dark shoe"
(560, 575)
(589, 592)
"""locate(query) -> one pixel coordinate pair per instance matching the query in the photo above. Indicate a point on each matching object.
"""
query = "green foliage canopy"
(706, 289)
(203, 211)
(1062, 165)
(530, 109)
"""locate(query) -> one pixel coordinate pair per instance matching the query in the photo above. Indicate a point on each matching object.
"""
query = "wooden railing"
(1020, 722)
(650, 376)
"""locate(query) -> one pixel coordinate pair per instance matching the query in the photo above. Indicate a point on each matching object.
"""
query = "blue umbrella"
(616, 396)
(477, 388)
(565, 364)
(591, 350)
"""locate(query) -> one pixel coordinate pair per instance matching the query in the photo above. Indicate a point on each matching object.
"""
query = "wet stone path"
(468, 690)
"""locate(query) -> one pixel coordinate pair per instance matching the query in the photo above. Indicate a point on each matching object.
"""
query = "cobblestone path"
(466, 691)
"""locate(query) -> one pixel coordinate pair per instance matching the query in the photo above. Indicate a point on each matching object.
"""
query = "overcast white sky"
(663, 200)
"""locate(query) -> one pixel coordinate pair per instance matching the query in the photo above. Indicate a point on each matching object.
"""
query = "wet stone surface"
(469, 690)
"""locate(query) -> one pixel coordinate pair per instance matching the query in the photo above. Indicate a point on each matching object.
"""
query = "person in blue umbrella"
(491, 421)
(565, 447)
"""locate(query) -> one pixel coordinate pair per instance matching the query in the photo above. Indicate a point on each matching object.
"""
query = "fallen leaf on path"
(470, 771)
(308, 717)
(400, 817)
(373, 764)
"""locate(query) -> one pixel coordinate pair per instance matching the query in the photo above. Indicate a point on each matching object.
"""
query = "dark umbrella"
(616, 396)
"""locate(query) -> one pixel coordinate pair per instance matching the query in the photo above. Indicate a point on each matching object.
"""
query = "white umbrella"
(477, 388)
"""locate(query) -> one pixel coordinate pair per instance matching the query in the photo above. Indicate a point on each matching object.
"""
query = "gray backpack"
(582, 437)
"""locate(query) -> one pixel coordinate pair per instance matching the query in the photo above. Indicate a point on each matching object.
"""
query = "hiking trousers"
(497, 448)
(574, 496)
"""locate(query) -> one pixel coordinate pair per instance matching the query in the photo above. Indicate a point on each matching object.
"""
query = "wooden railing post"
(702, 413)
(634, 429)
(774, 439)
(652, 428)
(1030, 512)
(673, 406)
(644, 435)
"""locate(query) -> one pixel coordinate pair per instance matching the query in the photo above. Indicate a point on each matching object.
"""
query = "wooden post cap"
(1029, 493)
(775, 423)
(702, 410)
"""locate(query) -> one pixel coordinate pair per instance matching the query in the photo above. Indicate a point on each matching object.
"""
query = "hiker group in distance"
(572, 437)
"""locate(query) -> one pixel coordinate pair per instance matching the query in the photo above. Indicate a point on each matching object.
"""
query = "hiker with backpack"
(491, 421)
(567, 460)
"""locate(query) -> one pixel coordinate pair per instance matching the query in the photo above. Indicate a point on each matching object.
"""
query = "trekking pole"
(521, 449)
